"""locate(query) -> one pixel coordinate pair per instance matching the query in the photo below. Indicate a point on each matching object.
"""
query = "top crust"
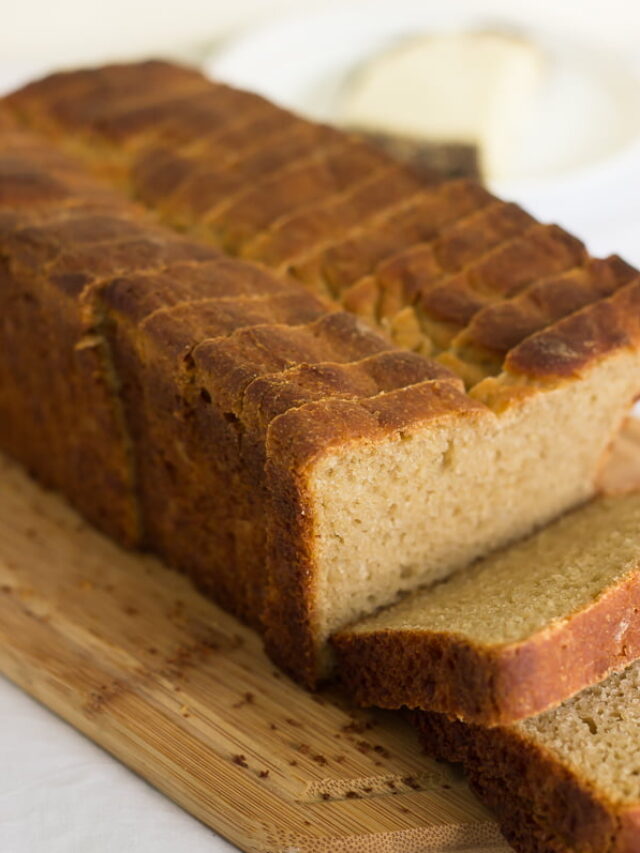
(572, 345)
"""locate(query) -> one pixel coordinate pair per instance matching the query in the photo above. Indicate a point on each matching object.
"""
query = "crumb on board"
(357, 727)
(247, 698)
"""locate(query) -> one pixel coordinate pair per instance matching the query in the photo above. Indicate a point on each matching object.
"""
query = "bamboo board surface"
(123, 649)
(127, 652)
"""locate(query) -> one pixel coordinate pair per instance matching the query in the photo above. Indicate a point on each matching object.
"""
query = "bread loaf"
(516, 633)
(566, 781)
(296, 459)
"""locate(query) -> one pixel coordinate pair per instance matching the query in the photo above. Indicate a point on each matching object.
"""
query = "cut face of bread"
(565, 780)
(516, 633)
(498, 477)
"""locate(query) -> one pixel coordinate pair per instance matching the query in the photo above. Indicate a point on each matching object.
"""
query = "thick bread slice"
(182, 324)
(566, 781)
(567, 347)
(517, 633)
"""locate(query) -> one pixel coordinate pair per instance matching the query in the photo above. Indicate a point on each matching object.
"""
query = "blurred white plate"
(301, 62)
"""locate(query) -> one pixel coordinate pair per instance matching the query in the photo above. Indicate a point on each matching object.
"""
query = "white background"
(59, 793)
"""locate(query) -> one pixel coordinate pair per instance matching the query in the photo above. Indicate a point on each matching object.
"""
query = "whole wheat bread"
(566, 781)
(296, 462)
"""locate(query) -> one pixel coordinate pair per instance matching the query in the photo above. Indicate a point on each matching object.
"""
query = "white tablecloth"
(60, 793)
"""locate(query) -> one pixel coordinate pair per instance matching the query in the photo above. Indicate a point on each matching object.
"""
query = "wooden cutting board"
(125, 650)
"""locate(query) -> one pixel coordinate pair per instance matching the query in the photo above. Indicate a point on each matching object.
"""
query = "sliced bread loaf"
(516, 633)
(566, 781)
(349, 487)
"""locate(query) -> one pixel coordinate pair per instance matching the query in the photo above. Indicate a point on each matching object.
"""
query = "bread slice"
(515, 634)
(566, 781)
(298, 486)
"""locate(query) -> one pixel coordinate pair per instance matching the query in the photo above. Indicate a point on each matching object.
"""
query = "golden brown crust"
(493, 685)
(139, 294)
(271, 395)
(179, 326)
(542, 250)
(195, 184)
(343, 164)
(299, 233)
(130, 106)
(166, 175)
(232, 363)
(570, 346)
(404, 277)
(95, 86)
(503, 325)
(419, 219)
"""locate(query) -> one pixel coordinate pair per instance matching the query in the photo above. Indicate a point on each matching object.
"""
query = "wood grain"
(125, 650)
